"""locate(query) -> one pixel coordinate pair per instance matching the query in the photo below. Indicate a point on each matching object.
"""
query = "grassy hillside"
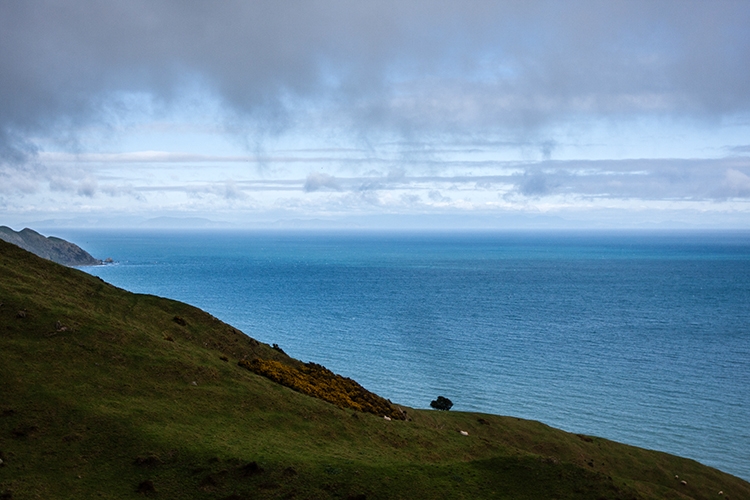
(109, 394)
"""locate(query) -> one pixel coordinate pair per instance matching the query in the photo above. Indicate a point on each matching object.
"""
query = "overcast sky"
(446, 114)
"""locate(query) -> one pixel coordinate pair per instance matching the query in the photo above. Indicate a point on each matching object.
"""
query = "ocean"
(639, 337)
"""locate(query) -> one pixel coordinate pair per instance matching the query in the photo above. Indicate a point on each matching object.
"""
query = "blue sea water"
(643, 338)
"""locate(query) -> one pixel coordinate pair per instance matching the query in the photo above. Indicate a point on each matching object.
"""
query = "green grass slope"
(103, 394)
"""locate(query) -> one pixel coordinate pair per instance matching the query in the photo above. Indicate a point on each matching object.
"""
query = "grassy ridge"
(109, 394)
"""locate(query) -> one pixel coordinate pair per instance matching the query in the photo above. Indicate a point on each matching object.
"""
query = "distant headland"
(50, 248)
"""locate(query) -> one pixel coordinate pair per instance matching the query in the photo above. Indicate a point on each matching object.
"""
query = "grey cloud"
(667, 180)
(736, 185)
(660, 179)
(231, 191)
(410, 199)
(81, 182)
(123, 190)
(404, 68)
(535, 184)
(87, 188)
(317, 181)
(370, 185)
(396, 175)
(546, 148)
(15, 149)
(675, 179)
(435, 195)
(23, 178)
(61, 184)
(370, 198)
(13, 182)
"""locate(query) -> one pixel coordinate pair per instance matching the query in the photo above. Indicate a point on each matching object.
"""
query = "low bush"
(320, 382)
(442, 403)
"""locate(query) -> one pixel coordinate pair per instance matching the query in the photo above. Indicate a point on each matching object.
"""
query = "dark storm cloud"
(409, 68)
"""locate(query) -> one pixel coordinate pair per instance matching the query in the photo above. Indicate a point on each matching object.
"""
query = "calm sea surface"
(637, 337)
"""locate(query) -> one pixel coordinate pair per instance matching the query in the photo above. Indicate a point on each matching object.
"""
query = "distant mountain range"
(50, 248)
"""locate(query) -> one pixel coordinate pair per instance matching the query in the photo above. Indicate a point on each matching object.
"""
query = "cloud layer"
(422, 73)
(404, 65)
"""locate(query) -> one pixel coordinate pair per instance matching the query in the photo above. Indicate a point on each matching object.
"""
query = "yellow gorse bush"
(318, 381)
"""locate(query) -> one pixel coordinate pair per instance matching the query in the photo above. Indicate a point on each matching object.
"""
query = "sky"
(389, 114)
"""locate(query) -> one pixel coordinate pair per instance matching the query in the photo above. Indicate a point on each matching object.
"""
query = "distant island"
(50, 248)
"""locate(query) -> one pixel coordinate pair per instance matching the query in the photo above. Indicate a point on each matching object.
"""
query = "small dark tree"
(442, 403)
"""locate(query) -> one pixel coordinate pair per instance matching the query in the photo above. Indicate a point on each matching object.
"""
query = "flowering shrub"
(318, 381)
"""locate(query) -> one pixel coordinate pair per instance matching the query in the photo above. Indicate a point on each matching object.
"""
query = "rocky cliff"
(51, 248)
